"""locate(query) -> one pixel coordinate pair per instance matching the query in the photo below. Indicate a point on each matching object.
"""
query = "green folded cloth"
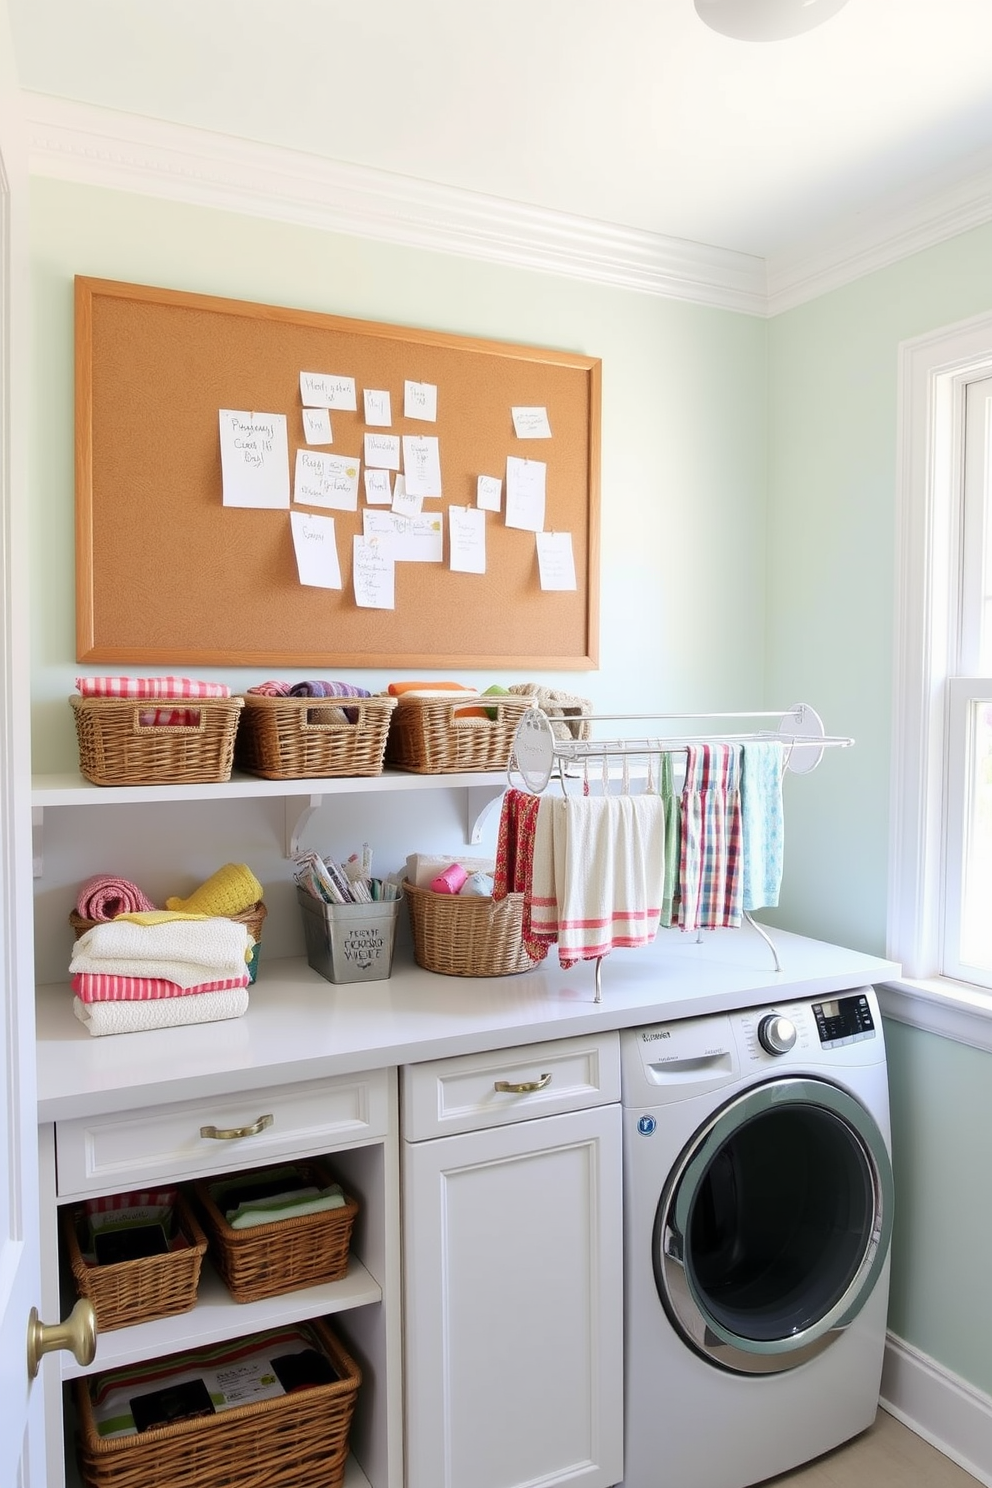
(495, 691)
(286, 1206)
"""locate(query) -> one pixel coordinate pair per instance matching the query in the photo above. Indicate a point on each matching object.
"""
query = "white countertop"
(301, 1027)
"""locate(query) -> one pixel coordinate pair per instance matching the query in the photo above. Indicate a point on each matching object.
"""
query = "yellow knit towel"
(229, 891)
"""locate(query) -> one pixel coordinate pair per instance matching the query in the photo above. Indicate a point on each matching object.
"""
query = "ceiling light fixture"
(765, 20)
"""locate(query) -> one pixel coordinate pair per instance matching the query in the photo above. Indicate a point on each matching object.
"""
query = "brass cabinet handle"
(232, 1133)
(77, 1333)
(527, 1087)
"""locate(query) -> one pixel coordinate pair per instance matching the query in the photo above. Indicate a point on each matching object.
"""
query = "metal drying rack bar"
(538, 753)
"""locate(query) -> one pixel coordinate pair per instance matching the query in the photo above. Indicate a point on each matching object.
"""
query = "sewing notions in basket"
(126, 741)
(465, 936)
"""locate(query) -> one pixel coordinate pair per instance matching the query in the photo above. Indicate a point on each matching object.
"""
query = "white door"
(514, 1305)
(21, 1440)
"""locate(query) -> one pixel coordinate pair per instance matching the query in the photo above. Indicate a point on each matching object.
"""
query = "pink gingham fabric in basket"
(150, 687)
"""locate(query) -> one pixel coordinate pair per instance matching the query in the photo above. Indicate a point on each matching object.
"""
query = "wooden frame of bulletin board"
(167, 574)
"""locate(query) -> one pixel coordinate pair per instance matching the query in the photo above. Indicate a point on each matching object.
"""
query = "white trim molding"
(950, 1009)
(101, 147)
(939, 1406)
(95, 146)
(933, 373)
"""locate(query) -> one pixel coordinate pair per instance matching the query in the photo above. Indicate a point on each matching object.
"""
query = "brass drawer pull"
(231, 1133)
(526, 1088)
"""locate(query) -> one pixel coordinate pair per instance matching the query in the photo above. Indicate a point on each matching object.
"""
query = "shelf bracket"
(299, 810)
(481, 800)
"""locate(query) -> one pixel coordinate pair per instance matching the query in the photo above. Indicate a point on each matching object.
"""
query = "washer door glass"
(774, 1226)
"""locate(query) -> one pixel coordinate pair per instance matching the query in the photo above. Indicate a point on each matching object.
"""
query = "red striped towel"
(150, 687)
(101, 986)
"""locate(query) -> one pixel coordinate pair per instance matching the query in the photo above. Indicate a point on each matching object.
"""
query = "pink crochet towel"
(150, 687)
(104, 897)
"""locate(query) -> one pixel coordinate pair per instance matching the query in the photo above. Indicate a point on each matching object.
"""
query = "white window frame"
(934, 371)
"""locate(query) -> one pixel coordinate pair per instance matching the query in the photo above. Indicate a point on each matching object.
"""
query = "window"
(940, 875)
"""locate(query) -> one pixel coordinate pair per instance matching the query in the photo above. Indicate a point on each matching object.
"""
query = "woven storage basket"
(466, 935)
(269, 1259)
(116, 748)
(298, 1440)
(136, 1291)
(297, 738)
(426, 735)
(251, 919)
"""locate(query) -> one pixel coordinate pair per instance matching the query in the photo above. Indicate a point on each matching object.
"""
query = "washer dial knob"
(776, 1034)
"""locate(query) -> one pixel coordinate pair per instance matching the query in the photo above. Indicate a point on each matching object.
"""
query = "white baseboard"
(939, 1406)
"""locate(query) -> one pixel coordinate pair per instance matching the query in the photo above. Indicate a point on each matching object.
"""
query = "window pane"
(976, 904)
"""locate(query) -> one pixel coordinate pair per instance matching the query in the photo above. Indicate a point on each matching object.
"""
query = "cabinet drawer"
(461, 1094)
(100, 1154)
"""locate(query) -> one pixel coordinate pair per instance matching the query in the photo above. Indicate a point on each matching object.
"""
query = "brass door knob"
(77, 1334)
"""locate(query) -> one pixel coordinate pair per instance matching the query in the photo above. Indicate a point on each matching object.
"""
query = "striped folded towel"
(150, 687)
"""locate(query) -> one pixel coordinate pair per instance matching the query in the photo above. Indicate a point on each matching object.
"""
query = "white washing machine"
(758, 1213)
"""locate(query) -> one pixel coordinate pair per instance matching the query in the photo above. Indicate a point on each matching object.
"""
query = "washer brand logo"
(663, 1034)
(646, 1126)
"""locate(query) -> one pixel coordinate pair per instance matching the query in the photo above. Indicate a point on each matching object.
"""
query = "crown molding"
(898, 225)
(127, 152)
(101, 147)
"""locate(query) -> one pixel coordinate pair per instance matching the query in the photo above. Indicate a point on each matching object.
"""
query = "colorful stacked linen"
(158, 969)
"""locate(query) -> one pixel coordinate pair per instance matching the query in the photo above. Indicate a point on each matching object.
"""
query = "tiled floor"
(887, 1455)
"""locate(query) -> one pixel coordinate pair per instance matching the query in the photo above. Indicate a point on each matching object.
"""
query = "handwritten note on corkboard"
(167, 574)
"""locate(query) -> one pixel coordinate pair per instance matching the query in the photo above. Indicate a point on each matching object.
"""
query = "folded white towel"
(100, 1018)
(182, 951)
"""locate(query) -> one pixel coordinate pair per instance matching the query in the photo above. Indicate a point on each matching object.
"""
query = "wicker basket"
(116, 748)
(136, 1291)
(269, 1259)
(298, 738)
(251, 919)
(427, 735)
(466, 935)
(295, 1441)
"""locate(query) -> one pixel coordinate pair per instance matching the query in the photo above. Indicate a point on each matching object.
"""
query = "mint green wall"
(831, 555)
(683, 539)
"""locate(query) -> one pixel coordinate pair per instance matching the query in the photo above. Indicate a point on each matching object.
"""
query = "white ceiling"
(627, 112)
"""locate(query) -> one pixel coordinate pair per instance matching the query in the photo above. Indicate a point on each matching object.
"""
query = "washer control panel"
(844, 1020)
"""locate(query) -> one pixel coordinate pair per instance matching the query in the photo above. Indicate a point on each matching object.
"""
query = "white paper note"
(489, 493)
(254, 459)
(555, 561)
(466, 539)
(377, 492)
(422, 464)
(373, 575)
(531, 423)
(316, 550)
(317, 426)
(377, 408)
(525, 493)
(383, 451)
(417, 539)
(420, 401)
(404, 502)
(327, 390)
(326, 480)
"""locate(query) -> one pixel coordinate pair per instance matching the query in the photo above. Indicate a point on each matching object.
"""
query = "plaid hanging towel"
(710, 866)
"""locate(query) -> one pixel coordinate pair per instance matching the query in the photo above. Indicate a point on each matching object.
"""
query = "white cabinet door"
(514, 1305)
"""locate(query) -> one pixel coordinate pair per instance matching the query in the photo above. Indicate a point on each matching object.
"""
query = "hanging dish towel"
(609, 857)
(672, 811)
(514, 869)
(762, 822)
(710, 868)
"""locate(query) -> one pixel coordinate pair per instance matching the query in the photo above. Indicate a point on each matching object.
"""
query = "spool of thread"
(450, 880)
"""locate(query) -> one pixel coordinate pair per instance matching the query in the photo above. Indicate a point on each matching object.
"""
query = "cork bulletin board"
(167, 574)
